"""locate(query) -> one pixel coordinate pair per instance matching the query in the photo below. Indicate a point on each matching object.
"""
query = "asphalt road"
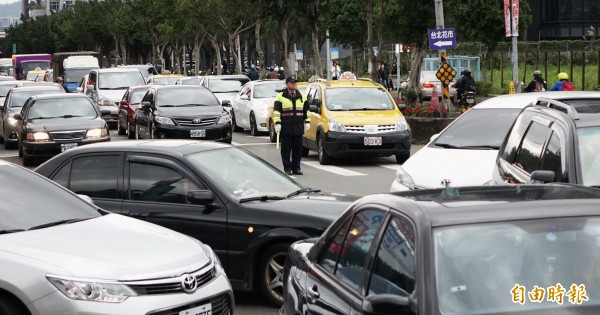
(352, 176)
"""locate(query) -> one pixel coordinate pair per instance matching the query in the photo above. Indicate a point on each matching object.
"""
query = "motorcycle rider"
(537, 84)
(464, 84)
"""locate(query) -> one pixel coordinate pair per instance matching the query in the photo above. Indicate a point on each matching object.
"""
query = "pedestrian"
(253, 74)
(563, 83)
(394, 72)
(538, 83)
(291, 120)
(383, 74)
(336, 70)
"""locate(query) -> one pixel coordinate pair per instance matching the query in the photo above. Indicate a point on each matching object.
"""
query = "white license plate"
(205, 309)
(66, 146)
(198, 133)
(470, 101)
(373, 141)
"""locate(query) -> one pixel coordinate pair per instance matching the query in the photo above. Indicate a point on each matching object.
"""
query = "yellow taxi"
(301, 86)
(355, 117)
(163, 79)
(32, 75)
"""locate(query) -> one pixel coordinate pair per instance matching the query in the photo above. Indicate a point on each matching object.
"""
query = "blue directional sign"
(442, 38)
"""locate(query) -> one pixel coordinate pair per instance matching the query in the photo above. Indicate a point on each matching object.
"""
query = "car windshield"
(75, 75)
(137, 95)
(358, 98)
(191, 81)
(489, 268)
(5, 88)
(185, 97)
(478, 128)
(29, 66)
(267, 90)
(243, 175)
(120, 80)
(589, 155)
(164, 80)
(23, 209)
(226, 85)
(18, 98)
(62, 108)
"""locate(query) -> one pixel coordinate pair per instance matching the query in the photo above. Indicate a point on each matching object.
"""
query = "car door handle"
(140, 214)
(313, 293)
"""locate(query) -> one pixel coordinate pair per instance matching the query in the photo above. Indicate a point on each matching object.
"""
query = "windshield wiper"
(45, 225)
(63, 116)
(446, 145)
(361, 109)
(11, 231)
(302, 191)
(483, 146)
(261, 198)
(167, 106)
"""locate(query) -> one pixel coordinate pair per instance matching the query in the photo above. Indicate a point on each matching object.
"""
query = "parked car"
(428, 82)
(554, 140)
(350, 118)
(182, 112)
(15, 99)
(464, 153)
(225, 87)
(251, 105)
(163, 79)
(63, 255)
(471, 250)
(106, 88)
(127, 108)
(247, 210)
(54, 123)
(302, 87)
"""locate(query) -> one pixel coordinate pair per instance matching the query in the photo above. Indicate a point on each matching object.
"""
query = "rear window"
(120, 80)
(185, 97)
(358, 99)
(267, 90)
(226, 85)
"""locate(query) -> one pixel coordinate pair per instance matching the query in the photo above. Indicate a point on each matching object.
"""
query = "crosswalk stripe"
(333, 169)
(394, 167)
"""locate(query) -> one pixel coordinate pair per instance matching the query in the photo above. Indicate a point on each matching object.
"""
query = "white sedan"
(464, 153)
(250, 106)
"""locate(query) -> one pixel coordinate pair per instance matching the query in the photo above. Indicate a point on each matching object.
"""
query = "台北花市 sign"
(442, 38)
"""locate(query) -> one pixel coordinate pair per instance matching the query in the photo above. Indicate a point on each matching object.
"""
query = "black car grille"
(171, 287)
(220, 305)
(68, 135)
(202, 122)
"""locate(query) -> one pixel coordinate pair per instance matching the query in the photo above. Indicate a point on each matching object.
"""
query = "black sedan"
(248, 211)
(182, 112)
(474, 250)
(53, 123)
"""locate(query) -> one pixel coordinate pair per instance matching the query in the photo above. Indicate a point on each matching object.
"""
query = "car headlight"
(401, 124)
(91, 290)
(96, 133)
(335, 125)
(164, 120)
(224, 120)
(404, 179)
(12, 121)
(39, 136)
(106, 102)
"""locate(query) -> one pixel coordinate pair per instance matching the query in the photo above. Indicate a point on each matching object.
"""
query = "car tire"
(234, 124)
(305, 151)
(120, 130)
(137, 131)
(11, 306)
(270, 273)
(253, 127)
(324, 158)
(130, 131)
(20, 149)
(402, 157)
(272, 133)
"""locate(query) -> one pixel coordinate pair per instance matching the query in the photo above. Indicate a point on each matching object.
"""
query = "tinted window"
(18, 98)
(137, 95)
(394, 267)
(95, 176)
(120, 80)
(62, 176)
(551, 160)
(351, 98)
(479, 128)
(61, 107)
(515, 135)
(589, 155)
(149, 182)
(528, 155)
(226, 86)
(356, 246)
(185, 96)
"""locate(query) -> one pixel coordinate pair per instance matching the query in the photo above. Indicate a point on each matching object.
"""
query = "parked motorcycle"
(467, 100)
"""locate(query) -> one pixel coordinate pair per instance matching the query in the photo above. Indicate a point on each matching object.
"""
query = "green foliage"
(484, 88)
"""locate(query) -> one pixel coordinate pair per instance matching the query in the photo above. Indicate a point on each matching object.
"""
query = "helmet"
(537, 74)
(563, 76)
(467, 71)
(280, 68)
(276, 69)
(253, 67)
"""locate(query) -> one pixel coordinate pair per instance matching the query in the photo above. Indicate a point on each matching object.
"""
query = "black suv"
(553, 140)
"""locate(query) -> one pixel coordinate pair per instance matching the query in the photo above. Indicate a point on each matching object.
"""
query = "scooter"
(467, 100)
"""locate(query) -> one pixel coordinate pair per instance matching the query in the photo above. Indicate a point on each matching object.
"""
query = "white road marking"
(8, 155)
(334, 169)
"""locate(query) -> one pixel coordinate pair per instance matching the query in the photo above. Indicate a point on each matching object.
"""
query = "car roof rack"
(558, 105)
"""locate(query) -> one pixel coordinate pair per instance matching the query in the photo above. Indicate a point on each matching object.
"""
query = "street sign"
(299, 54)
(442, 38)
(445, 73)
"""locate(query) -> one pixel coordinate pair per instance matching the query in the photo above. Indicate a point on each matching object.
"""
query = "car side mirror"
(146, 104)
(226, 103)
(542, 177)
(387, 304)
(89, 87)
(244, 97)
(200, 197)
(313, 108)
(435, 136)
(18, 117)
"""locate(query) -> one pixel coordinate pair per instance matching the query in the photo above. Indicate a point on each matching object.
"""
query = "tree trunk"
(197, 47)
(369, 43)
(414, 82)
(123, 51)
(283, 44)
(259, 51)
(215, 46)
(318, 66)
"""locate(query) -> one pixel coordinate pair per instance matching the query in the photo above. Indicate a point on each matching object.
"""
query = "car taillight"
(428, 84)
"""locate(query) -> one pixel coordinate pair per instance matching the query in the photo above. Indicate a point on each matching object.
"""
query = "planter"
(424, 127)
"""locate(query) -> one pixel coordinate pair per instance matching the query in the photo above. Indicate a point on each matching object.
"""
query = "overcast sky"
(8, 1)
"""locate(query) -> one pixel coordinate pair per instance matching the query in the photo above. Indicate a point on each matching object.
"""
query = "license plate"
(198, 133)
(470, 101)
(66, 146)
(372, 140)
(205, 309)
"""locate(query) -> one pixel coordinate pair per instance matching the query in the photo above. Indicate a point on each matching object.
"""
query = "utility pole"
(439, 24)
(328, 55)
(514, 5)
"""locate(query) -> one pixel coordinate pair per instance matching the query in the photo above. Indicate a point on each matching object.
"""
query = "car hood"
(261, 103)
(190, 111)
(111, 247)
(430, 166)
(361, 118)
(114, 96)
(65, 124)
(225, 96)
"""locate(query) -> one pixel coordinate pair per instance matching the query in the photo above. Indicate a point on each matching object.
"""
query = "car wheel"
(130, 131)
(305, 151)
(270, 273)
(272, 133)
(20, 149)
(120, 129)
(401, 158)
(253, 127)
(234, 123)
(11, 306)
(324, 158)
(137, 131)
